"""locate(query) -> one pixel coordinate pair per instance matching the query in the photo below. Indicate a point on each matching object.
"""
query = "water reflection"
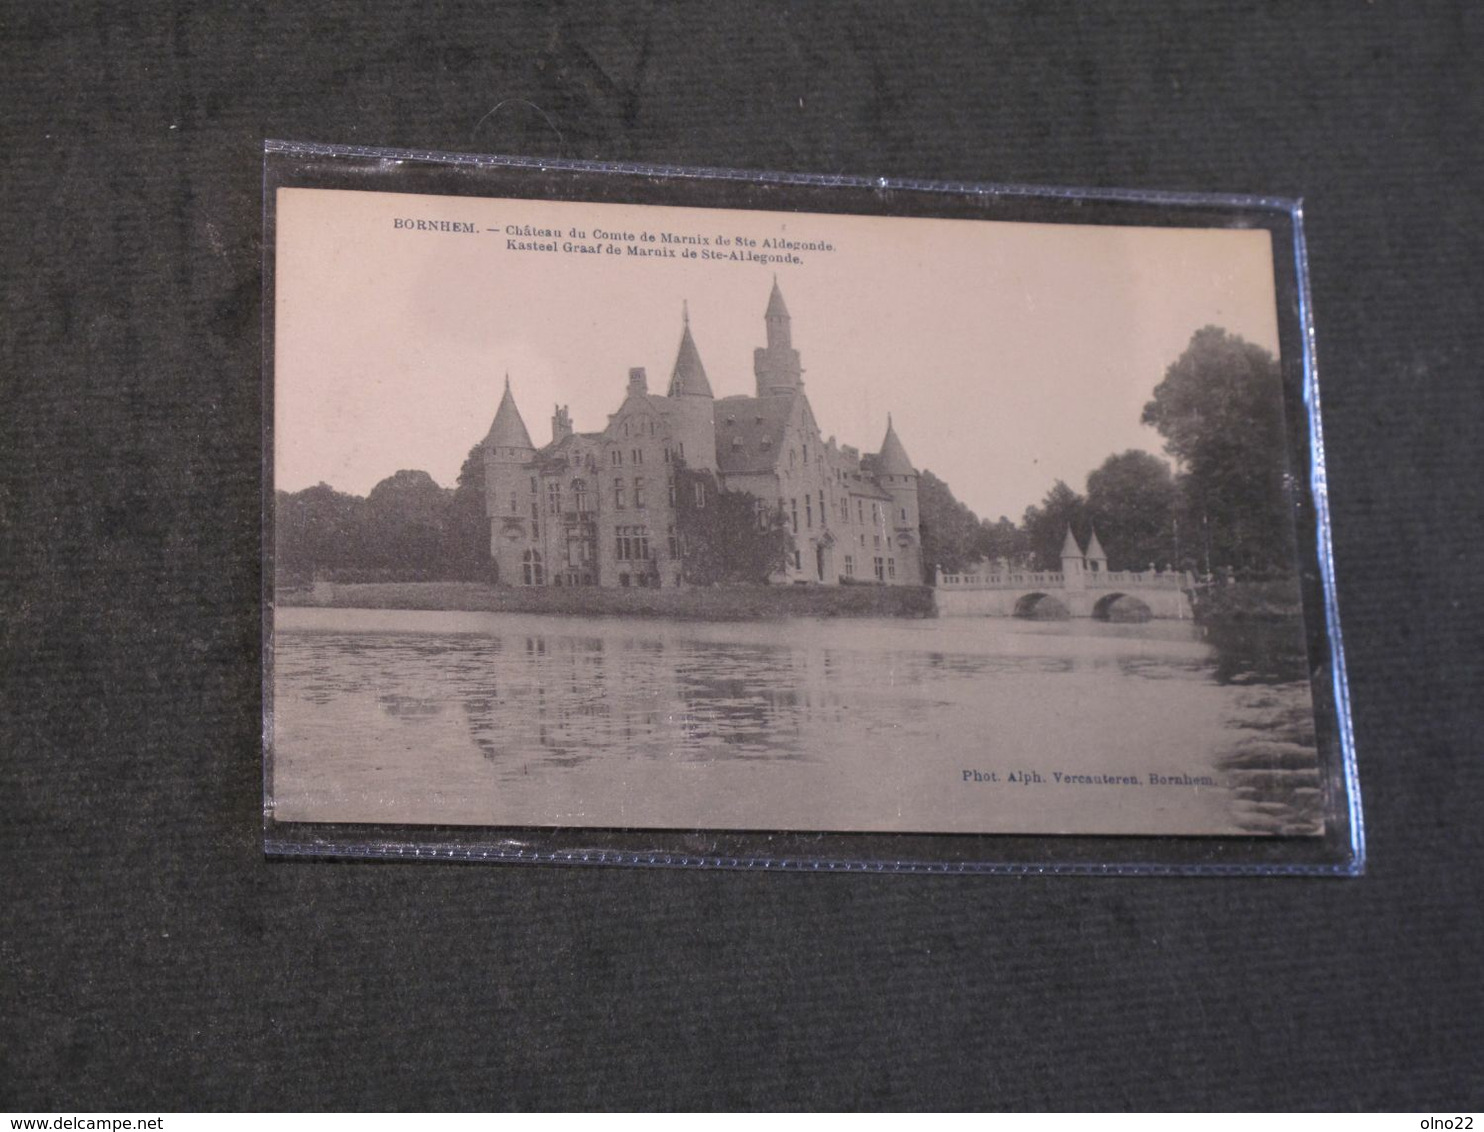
(885, 715)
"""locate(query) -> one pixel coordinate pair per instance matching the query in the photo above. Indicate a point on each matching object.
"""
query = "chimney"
(638, 383)
(561, 424)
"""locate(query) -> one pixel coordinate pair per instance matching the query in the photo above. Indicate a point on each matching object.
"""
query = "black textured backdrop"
(151, 959)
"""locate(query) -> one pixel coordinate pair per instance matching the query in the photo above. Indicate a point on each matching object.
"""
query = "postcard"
(608, 515)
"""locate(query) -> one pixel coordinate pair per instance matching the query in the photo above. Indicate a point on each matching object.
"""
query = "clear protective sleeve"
(389, 732)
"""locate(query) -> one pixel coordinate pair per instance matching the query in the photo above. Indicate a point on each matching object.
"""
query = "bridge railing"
(1009, 579)
(1048, 579)
(1135, 579)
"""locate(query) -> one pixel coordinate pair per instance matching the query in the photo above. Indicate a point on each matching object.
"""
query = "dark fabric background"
(153, 960)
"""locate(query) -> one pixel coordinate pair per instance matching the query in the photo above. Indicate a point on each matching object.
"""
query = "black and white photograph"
(626, 516)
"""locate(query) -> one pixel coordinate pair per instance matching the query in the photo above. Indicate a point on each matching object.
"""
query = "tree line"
(1225, 505)
(407, 529)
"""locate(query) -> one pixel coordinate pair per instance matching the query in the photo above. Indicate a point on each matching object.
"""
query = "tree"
(466, 544)
(952, 536)
(1131, 500)
(317, 530)
(1046, 526)
(1220, 411)
(1003, 539)
(727, 536)
(406, 515)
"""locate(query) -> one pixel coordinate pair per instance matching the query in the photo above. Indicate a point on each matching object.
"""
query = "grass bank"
(728, 603)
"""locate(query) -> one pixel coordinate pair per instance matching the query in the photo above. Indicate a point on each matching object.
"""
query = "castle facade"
(599, 508)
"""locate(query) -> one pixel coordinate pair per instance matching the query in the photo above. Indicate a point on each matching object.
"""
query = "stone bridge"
(1106, 595)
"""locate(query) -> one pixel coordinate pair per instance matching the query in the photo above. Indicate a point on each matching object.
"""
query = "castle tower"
(507, 447)
(1072, 562)
(1097, 561)
(693, 414)
(776, 365)
(895, 473)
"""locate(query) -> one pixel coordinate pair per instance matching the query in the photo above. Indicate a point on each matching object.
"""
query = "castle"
(598, 508)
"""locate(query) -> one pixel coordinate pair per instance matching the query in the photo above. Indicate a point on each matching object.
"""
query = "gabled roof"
(893, 460)
(1069, 547)
(749, 433)
(689, 375)
(508, 430)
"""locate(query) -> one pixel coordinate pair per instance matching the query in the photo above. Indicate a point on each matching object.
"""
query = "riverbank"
(1257, 629)
(729, 603)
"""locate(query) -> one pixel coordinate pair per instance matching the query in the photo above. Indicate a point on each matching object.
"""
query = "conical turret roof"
(1095, 548)
(776, 309)
(893, 460)
(1069, 547)
(689, 375)
(508, 430)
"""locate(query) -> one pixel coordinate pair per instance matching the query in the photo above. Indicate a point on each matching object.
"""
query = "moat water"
(965, 725)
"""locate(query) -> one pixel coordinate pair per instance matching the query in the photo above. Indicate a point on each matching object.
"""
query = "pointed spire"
(508, 430)
(776, 307)
(689, 375)
(893, 459)
(1069, 547)
(685, 311)
(1095, 550)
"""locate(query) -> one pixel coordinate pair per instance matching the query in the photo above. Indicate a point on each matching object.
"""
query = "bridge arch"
(1121, 607)
(1038, 606)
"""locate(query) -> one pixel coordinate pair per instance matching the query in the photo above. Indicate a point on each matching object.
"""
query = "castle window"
(823, 514)
(535, 512)
(793, 509)
(880, 569)
(878, 542)
(891, 567)
(860, 511)
(876, 514)
(639, 492)
(850, 565)
(514, 506)
(553, 498)
(809, 512)
(790, 457)
(637, 455)
(670, 488)
(904, 514)
(667, 453)
(761, 509)
(700, 495)
(682, 450)
(531, 571)
(534, 488)
(806, 453)
(579, 496)
(618, 496)
(674, 543)
(798, 561)
(616, 457)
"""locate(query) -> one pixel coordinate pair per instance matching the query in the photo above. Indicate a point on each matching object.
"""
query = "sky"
(1008, 355)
